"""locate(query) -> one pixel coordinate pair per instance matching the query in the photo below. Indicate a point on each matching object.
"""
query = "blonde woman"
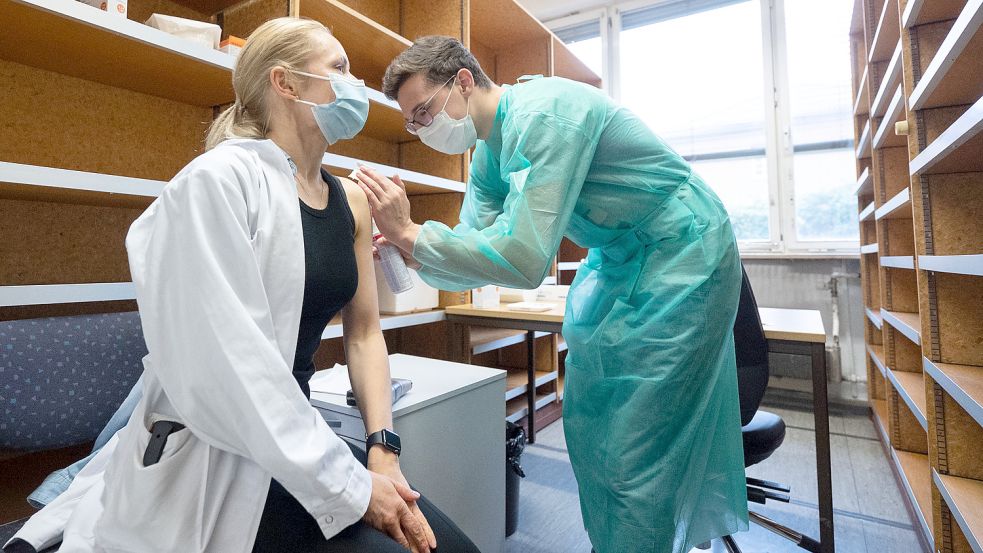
(238, 267)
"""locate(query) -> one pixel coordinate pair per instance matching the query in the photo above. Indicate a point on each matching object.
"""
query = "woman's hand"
(389, 512)
(386, 463)
(390, 207)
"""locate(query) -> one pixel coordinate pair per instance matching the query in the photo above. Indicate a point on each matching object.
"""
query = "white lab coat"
(218, 265)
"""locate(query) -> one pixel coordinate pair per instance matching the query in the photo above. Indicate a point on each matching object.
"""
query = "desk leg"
(460, 342)
(823, 461)
(531, 385)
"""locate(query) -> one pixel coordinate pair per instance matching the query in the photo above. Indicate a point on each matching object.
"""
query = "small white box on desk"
(486, 297)
(421, 297)
(452, 429)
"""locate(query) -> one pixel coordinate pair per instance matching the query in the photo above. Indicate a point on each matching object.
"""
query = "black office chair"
(763, 432)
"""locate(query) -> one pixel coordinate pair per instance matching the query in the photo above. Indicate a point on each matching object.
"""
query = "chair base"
(799, 539)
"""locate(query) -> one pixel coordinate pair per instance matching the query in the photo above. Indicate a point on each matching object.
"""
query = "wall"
(805, 284)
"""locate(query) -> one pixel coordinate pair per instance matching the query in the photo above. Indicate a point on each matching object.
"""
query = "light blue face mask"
(345, 117)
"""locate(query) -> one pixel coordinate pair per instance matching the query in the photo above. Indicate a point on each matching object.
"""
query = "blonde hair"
(285, 42)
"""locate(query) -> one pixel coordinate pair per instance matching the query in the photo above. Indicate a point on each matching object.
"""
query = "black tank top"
(331, 276)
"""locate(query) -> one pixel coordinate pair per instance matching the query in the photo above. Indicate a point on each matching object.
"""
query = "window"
(584, 39)
(824, 165)
(707, 102)
(589, 52)
(756, 94)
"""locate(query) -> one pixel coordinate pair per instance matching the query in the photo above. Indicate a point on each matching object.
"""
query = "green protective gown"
(650, 410)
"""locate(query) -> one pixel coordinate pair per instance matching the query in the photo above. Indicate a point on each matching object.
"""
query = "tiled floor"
(869, 513)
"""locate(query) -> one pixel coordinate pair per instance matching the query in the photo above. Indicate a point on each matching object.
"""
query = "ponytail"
(235, 121)
(287, 42)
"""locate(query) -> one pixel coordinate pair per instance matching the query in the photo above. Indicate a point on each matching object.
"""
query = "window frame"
(779, 146)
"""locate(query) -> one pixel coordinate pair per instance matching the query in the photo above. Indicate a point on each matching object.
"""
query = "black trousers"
(286, 527)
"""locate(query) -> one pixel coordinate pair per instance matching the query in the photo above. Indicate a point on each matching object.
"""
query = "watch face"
(391, 440)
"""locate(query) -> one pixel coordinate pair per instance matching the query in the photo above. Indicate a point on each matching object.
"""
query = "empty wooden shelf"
(863, 146)
(964, 497)
(963, 382)
(957, 150)
(516, 382)
(864, 183)
(886, 136)
(955, 264)
(861, 106)
(890, 83)
(517, 407)
(867, 213)
(898, 207)
(897, 261)
(72, 38)
(31, 182)
(920, 12)
(370, 46)
(911, 388)
(906, 323)
(874, 316)
(886, 34)
(917, 480)
(952, 78)
(877, 355)
(485, 339)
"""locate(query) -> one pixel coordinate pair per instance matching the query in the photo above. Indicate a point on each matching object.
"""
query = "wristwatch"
(387, 438)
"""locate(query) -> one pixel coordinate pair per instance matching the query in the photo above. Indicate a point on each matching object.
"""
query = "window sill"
(800, 255)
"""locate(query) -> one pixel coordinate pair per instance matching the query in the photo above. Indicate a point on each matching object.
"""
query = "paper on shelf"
(206, 34)
(332, 381)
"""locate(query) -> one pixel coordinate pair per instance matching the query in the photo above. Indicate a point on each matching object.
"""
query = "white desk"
(452, 428)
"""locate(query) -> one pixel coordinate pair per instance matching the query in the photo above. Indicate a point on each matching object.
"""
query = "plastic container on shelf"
(206, 34)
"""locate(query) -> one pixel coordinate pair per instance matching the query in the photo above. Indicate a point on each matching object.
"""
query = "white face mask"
(449, 136)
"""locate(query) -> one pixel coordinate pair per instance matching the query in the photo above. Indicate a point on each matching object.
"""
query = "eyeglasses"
(422, 116)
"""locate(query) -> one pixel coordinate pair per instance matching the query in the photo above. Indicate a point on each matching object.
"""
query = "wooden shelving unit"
(888, 85)
(107, 110)
(91, 44)
(920, 196)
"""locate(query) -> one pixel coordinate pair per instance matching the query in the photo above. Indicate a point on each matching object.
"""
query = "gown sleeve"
(511, 240)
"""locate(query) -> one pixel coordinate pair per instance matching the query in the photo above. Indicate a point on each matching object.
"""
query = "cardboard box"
(115, 7)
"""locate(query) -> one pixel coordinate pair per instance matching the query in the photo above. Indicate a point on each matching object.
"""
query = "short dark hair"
(438, 58)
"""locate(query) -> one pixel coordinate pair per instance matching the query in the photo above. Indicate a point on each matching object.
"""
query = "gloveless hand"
(390, 206)
(389, 512)
(387, 463)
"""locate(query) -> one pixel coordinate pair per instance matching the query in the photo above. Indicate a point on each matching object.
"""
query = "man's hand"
(411, 262)
(390, 206)
(389, 512)
(385, 462)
